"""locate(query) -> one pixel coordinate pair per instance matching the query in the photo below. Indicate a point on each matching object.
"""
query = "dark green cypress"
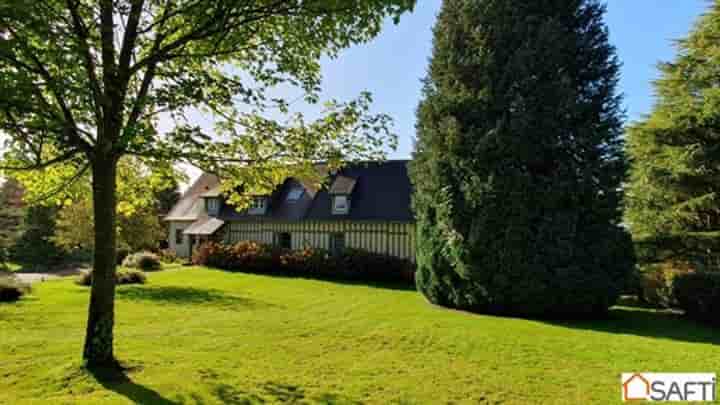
(519, 161)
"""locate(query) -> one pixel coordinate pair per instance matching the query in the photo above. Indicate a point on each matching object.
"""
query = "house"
(365, 206)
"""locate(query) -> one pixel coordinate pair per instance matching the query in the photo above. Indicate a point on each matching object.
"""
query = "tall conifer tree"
(674, 190)
(519, 161)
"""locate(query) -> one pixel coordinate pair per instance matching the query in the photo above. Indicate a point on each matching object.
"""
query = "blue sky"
(392, 65)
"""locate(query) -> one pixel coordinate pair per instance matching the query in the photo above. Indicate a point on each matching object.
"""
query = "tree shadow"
(190, 296)
(663, 324)
(386, 285)
(272, 393)
(115, 379)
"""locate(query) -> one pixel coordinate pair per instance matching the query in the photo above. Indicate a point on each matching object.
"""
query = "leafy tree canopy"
(86, 82)
(674, 190)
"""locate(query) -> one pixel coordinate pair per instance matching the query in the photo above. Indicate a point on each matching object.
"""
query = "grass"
(202, 336)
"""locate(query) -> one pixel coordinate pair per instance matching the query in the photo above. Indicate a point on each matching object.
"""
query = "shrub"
(243, 256)
(122, 254)
(11, 289)
(145, 261)
(698, 294)
(308, 262)
(656, 282)
(358, 263)
(122, 276)
(168, 256)
(353, 264)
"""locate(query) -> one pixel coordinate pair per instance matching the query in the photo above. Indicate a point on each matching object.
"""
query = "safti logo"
(656, 387)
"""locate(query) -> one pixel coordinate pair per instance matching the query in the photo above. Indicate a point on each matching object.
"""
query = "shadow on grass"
(648, 323)
(275, 393)
(189, 296)
(116, 380)
(388, 285)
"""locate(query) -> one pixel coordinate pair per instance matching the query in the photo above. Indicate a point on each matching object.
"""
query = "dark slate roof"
(191, 206)
(279, 209)
(382, 193)
(379, 191)
(204, 227)
(342, 185)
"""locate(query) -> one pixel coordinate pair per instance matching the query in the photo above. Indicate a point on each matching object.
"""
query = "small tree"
(84, 83)
(519, 161)
(11, 215)
(673, 194)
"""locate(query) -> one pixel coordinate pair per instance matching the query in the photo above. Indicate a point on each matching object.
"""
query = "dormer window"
(295, 194)
(213, 206)
(341, 205)
(258, 206)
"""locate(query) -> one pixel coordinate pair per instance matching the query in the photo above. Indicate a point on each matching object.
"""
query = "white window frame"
(213, 204)
(340, 210)
(258, 206)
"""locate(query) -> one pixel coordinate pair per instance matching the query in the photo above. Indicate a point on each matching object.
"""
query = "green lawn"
(204, 336)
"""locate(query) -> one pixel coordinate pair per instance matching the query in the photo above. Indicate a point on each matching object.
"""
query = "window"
(213, 206)
(341, 204)
(258, 206)
(294, 194)
(258, 203)
(179, 237)
(284, 240)
(337, 243)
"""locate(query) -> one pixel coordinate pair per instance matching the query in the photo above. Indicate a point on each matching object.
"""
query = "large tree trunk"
(98, 349)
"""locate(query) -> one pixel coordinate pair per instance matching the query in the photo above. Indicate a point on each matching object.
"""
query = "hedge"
(352, 264)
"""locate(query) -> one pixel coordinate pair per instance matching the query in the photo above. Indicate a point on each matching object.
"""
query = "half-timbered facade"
(364, 206)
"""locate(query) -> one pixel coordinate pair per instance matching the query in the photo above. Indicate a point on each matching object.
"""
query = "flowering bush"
(352, 264)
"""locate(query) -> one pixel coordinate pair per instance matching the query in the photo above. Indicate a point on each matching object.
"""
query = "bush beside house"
(352, 264)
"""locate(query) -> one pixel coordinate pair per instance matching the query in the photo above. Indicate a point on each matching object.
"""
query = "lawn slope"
(205, 336)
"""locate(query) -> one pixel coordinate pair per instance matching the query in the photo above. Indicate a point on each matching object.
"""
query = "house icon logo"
(635, 387)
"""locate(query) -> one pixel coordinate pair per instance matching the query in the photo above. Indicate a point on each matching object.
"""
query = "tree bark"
(98, 350)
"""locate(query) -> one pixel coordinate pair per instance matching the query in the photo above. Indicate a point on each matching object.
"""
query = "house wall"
(183, 249)
(394, 238)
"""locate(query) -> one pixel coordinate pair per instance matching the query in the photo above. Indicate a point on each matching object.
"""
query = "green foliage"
(519, 161)
(673, 190)
(35, 246)
(85, 83)
(699, 295)
(168, 256)
(656, 282)
(122, 276)
(144, 261)
(11, 217)
(11, 289)
(351, 264)
(139, 226)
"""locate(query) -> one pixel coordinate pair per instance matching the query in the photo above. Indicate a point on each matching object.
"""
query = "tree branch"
(83, 35)
(42, 165)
